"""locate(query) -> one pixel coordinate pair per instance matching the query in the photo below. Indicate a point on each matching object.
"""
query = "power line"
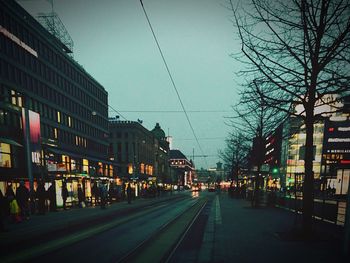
(201, 139)
(172, 80)
(114, 110)
(172, 111)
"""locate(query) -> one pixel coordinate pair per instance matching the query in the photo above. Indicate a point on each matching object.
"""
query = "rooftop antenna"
(53, 24)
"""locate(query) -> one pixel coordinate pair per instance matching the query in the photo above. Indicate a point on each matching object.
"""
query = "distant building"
(141, 155)
(162, 151)
(132, 148)
(183, 168)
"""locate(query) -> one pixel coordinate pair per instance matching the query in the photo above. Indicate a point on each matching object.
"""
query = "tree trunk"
(308, 186)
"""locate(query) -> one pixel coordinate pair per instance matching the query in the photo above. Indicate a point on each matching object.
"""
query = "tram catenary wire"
(172, 80)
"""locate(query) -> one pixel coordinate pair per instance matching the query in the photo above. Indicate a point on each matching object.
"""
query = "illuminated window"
(13, 97)
(100, 168)
(16, 99)
(76, 140)
(85, 166)
(110, 170)
(58, 117)
(55, 133)
(130, 169)
(142, 168)
(5, 155)
(69, 121)
(106, 170)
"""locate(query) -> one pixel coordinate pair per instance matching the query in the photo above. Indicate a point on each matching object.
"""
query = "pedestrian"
(103, 195)
(51, 194)
(41, 195)
(9, 192)
(32, 202)
(15, 211)
(64, 195)
(95, 193)
(22, 196)
(129, 193)
(3, 211)
(81, 197)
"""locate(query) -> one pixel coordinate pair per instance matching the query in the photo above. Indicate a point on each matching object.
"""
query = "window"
(55, 133)
(5, 155)
(16, 98)
(69, 121)
(58, 117)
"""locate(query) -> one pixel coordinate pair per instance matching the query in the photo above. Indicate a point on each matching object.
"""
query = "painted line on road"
(218, 220)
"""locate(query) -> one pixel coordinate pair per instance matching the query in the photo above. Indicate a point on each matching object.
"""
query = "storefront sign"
(19, 42)
(336, 142)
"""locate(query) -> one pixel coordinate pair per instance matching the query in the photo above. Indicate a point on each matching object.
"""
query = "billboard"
(34, 134)
(336, 142)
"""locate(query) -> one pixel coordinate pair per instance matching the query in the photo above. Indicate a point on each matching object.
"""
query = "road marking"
(218, 220)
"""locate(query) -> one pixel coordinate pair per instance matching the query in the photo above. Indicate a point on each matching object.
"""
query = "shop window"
(110, 170)
(5, 155)
(85, 166)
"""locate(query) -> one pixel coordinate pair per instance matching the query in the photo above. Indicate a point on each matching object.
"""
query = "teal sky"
(113, 42)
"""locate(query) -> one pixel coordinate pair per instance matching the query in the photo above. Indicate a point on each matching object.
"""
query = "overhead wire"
(172, 80)
(172, 111)
(114, 110)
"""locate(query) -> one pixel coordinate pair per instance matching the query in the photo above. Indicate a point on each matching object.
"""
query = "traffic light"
(275, 170)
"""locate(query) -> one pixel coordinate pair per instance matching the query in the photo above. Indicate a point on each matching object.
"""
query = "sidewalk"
(245, 234)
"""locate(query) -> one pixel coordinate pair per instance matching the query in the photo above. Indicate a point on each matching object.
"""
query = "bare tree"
(254, 120)
(298, 53)
(235, 154)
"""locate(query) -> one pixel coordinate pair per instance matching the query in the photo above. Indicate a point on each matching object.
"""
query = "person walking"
(22, 196)
(51, 193)
(64, 195)
(13, 204)
(103, 195)
(129, 193)
(3, 211)
(96, 193)
(81, 197)
(41, 195)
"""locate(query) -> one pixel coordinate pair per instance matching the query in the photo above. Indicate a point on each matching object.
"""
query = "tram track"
(44, 245)
(163, 243)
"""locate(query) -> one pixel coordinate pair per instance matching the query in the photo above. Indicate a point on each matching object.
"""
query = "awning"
(9, 141)
(75, 155)
(59, 151)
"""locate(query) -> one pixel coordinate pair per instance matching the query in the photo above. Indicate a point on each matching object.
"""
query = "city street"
(223, 230)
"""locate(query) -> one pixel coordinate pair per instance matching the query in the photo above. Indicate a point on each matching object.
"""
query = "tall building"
(45, 91)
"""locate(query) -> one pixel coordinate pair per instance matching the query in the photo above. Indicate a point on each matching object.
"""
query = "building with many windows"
(43, 90)
(183, 168)
(141, 155)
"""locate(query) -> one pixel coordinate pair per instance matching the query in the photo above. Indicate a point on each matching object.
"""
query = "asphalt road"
(109, 245)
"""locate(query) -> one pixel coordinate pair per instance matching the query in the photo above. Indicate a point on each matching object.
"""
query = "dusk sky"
(113, 42)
